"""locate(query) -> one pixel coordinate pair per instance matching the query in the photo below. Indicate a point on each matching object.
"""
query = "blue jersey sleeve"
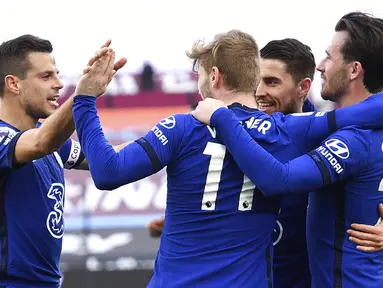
(307, 130)
(340, 156)
(111, 169)
(251, 157)
(8, 139)
(162, 142)
(71, 154)
(305, 173)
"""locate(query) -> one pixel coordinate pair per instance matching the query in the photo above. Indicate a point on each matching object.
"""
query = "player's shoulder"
(351, 139)
(174, 121)
(7, 132)
(351, 133)
(178, 126)
(244, 113)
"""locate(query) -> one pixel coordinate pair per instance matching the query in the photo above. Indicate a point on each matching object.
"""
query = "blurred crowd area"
(106, 238)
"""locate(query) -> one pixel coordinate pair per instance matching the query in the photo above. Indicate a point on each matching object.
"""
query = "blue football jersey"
(352, 159)
(31, 213)
(217, 224)
(291, 265)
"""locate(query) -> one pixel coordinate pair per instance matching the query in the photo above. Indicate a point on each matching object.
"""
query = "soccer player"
(218, 226)
(287, 70)
(348, 164)
(32, 159)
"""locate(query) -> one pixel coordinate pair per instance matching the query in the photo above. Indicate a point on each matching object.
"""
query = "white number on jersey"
(217, 153)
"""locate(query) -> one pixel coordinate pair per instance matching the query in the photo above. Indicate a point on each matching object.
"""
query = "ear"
(12, 84)
(304, 87)
(215, 77)
(356, 70)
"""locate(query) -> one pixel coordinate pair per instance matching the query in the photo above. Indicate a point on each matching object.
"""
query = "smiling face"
(277, 90)
(39, 90)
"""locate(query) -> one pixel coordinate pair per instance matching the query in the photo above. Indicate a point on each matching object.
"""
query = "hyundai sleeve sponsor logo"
(338, 148)
(168, 123)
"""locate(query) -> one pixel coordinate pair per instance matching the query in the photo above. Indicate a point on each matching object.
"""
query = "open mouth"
(53, 101)
(265, 105)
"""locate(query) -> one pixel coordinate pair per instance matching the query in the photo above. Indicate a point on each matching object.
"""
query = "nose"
(261, 90)
(320, 67)
(59, 84)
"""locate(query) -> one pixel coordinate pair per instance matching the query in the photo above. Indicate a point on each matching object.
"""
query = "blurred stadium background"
(106, 242)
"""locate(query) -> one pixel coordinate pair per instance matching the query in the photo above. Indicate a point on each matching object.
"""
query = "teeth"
(264, 105)
(53, 102)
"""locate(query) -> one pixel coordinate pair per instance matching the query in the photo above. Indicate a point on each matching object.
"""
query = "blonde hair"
(235, 54)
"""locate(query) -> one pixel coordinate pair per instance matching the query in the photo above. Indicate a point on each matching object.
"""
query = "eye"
(47, 77)
(272, 82)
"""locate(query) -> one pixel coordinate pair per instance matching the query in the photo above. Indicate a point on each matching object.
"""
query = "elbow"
(43, 146)
(107, 181)
(42, 149)
(104, 183)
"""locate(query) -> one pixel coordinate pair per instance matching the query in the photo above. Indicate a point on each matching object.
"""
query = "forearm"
(109, 168)
(270, 175)
(56, 129)
(367, 114)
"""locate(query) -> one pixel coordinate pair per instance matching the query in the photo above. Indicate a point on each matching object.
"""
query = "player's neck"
(246, 99)
(354, 96)
(15, 115)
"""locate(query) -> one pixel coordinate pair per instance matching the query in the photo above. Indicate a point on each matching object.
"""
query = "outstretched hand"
(369, 238)
(99, 72)
(117, 65)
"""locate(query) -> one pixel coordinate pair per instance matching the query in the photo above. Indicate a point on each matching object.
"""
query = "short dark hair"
(364, 44)
(298, 57)
(14, 53)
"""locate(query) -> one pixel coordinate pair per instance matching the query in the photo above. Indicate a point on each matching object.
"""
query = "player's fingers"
(380, 209)
(108, 69)
(107, 43)
(363, 235)
(159, 223)
(368, 249)
(365, 228)
(102, 63)
(120, 63)
(86, 70)
(156, 227)
(364, 242)
(97, 55)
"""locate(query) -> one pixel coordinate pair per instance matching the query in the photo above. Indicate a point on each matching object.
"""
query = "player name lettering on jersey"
(212, 131)
(160, 135)
(330, 158)
(6, 133)
(261, 125)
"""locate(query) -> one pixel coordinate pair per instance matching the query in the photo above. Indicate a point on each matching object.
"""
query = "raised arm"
(110, 168)
(51, 135)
